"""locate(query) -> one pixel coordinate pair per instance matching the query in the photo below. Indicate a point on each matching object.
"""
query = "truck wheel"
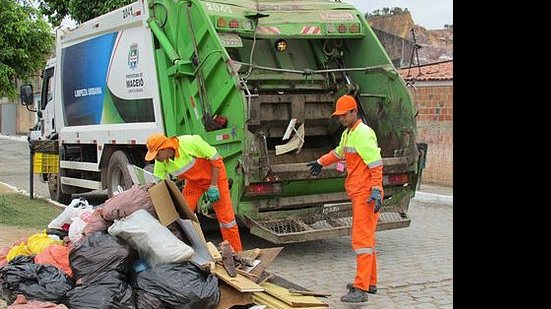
(117, 173)
(54, 186)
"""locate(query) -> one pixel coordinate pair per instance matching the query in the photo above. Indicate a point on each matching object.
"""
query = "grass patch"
(18, 210)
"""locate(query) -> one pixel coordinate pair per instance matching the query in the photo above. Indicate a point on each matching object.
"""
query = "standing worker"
(190, 158)
(364, 186)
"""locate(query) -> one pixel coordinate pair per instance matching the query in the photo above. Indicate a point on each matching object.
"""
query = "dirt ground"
(5, 189)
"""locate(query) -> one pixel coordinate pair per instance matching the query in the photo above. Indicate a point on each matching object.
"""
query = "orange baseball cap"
(154, 143)
(344, 104)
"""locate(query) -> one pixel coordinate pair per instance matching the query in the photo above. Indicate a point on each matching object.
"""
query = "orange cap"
(344, 104)
(154, 143)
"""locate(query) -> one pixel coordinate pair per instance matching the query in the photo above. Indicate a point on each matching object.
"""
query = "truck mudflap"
(331, 220)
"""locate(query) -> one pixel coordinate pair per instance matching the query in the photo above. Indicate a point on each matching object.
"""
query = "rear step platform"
(318, 226)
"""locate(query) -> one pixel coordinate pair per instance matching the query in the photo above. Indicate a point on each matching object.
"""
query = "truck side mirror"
(26, 94)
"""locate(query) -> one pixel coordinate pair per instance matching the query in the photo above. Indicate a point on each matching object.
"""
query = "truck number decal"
(126, 12)
(219, 8)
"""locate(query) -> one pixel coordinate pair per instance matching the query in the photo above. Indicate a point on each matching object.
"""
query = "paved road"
(415, 264)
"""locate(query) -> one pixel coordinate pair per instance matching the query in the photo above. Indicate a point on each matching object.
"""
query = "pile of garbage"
(115, 255)
(142, 248)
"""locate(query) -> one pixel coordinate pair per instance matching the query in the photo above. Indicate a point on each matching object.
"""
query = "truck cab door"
(46, 108)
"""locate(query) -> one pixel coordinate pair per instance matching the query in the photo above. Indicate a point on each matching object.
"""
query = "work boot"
(372, 288)
(355, 296)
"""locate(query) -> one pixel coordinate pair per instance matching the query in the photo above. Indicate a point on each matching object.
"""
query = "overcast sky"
(431, 14)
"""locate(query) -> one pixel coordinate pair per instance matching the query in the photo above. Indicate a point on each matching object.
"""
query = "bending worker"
(364, 186)
(190, 158)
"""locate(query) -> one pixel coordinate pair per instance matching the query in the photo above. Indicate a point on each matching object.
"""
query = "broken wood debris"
(227, 258)
(289, 298)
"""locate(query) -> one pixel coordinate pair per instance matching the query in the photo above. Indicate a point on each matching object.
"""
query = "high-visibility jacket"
(193, 162)
(364, 165)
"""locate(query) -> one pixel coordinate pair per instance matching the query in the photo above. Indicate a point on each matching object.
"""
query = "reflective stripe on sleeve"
(184, 169)
(350, 149)
(375, 163)
(336, 154)
(215, 157)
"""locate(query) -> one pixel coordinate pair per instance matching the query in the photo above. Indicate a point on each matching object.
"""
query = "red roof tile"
(430, 72)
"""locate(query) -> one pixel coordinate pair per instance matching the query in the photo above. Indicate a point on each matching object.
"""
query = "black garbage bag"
(182, 286)
(146, 300)
(101, 252)
(35, 281)
(107, 290)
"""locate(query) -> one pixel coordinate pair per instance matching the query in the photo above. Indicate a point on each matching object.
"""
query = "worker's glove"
(377, 197)
(315, 168)
(213, 194)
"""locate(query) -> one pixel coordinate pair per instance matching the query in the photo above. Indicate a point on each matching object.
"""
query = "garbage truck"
(258, 80)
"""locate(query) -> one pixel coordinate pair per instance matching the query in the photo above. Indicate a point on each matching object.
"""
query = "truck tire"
(54, 186)
(117, 173)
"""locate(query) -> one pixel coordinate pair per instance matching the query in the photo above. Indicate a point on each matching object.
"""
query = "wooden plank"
(239, 282)
(247, 257)
(230, 297)
(302, 292)
(266, 257)
(292, 299)
(214, 252)
(263, 298)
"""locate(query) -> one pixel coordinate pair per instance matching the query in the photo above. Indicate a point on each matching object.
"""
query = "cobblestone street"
(415, 264)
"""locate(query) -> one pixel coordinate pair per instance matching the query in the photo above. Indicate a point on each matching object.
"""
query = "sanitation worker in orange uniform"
(364, 185)
(189, 157)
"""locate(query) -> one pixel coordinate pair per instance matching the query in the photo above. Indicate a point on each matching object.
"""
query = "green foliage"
(26, 40)
(386, 12)
(79, 10)
(18, 210)
(56, 10)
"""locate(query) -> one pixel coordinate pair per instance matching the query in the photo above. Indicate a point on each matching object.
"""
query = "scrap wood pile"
(143, 248)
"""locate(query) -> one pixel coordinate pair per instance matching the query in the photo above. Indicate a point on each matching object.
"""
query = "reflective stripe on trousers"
(227, 225)
(223, 209)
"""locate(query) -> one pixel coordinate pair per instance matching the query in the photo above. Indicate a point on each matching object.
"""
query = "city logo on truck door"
(133, 56)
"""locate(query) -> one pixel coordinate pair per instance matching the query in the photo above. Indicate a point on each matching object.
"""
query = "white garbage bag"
(75, 209)
(153, 241)
(76, 230)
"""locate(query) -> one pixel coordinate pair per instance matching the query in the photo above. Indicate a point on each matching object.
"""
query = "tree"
(26, 40)
(79, 10)
(386, 12)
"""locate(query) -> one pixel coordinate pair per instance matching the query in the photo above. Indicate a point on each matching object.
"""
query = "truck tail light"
(342, 28)
(221, 22)
(234, 23)
(395, 179)
(264, 189)
(355, 28)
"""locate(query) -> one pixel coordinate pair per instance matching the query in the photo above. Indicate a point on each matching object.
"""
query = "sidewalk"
(430, 193)
(436, 189)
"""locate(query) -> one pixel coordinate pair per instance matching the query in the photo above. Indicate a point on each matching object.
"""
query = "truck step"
(318, 226)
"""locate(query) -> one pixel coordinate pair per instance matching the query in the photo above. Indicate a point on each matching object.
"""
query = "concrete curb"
(19, 138)
(433, 198)
(24, 192)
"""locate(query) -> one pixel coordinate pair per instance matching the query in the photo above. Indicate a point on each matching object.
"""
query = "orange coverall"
(193, 163)
(358, 147)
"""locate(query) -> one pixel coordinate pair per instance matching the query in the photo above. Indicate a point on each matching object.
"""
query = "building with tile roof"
(431, 86)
